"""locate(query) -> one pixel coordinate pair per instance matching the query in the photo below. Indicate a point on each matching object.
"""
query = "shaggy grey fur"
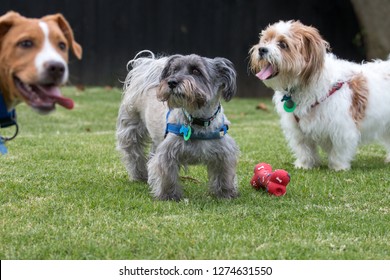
(156, 85)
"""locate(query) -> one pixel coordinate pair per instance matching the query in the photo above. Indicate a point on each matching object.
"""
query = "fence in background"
(112, 32)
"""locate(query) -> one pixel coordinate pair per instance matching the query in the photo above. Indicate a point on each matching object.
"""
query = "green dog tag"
(289, 106)
(186, 131)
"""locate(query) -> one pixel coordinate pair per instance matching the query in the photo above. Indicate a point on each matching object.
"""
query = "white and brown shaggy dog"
(175, 102)
(322, 100)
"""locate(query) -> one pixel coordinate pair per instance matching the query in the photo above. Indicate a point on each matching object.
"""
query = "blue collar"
(7, 118)
(187, 131)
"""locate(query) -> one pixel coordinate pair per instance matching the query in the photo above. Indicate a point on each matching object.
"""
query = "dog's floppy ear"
(68, 32)
(313, 48)
(6, 22)
(227, 75)
(165, 71)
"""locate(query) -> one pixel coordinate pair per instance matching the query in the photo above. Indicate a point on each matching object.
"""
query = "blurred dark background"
(112, 32)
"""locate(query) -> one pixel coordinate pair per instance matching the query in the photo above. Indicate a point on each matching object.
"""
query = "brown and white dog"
(34, 60)
(323, 101)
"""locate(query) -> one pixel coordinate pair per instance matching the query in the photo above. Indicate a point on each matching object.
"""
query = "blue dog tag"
(3, 148)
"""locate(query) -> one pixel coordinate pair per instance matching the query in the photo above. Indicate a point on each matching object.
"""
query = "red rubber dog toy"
(274, 183)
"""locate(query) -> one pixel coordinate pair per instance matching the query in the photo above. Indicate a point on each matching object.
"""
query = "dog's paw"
(138, 177)
(174, 196)
(299, 164)
(230, 194)
(338, 166)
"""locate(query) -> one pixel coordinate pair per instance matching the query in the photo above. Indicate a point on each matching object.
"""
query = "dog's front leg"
(222, 170)
(163, 172)
(304, 148)
(343, 148)
(222, 180)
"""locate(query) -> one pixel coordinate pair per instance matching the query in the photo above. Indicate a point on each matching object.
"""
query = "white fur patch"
(48, 53)
(283, 27)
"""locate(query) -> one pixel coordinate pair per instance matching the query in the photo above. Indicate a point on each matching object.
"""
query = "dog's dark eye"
(175, 70)
(283, 45)
(195, 72)
(62, 46)
(26, 44)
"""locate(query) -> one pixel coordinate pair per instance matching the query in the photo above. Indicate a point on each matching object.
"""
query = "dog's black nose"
(172, 84)
(263, 51)
(55, 70)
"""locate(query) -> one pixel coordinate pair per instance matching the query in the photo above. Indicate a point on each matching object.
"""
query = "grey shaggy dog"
(174, 103)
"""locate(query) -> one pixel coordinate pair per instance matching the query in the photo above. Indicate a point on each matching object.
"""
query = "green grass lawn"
(64, 194)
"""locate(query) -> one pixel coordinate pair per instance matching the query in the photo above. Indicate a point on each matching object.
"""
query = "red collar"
(334, 88)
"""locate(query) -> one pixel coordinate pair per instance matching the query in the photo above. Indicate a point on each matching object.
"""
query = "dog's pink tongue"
(54, 93)
(65, 102)
(265, 73)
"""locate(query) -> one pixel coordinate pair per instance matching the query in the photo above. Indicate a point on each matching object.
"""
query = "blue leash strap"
(3, 148)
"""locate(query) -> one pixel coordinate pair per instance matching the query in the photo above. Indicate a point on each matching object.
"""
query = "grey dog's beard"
(183, 96)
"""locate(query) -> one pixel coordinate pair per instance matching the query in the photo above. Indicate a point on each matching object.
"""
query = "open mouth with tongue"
(267, 72)
(43, 97)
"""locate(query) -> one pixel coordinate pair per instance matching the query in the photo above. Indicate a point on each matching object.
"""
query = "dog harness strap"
(334, 88)
(167, 116)
(216, 134)
(177, 129)
(173, 128)
(188, 132)
(7, 119)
